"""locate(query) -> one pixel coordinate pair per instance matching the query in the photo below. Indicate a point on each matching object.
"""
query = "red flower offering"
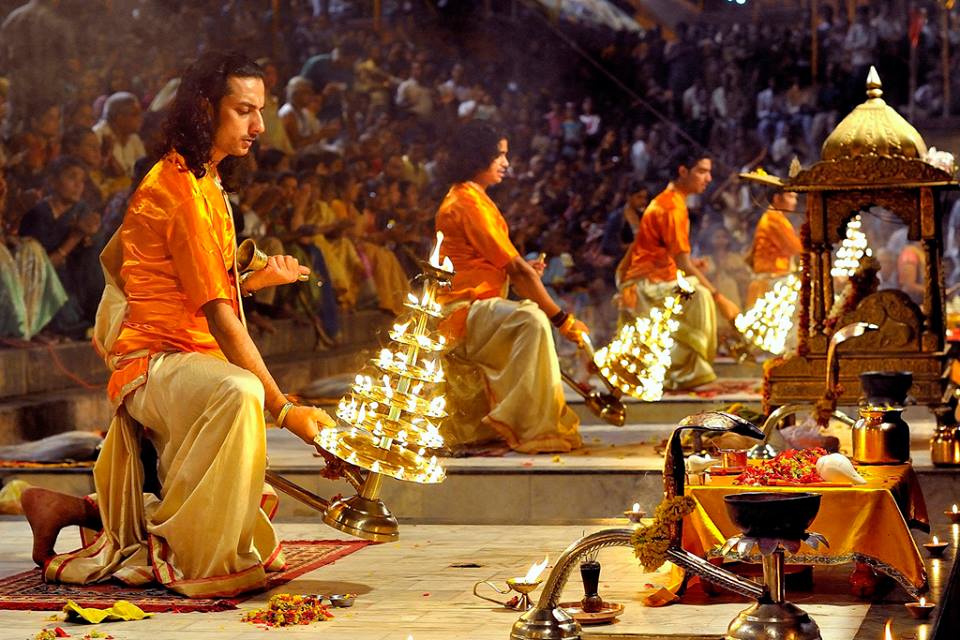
(793, 466)
(285, 610)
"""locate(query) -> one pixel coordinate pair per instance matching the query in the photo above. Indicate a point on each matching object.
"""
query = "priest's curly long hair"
(192, 120)
(472, 150)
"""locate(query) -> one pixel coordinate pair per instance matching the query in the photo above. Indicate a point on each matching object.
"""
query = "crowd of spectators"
(350, 169)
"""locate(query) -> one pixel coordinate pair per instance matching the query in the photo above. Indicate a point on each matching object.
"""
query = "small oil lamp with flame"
(920, 610)
(888, 630)
(524, 586)
(935, 547)
(635, 514)
(953, 515)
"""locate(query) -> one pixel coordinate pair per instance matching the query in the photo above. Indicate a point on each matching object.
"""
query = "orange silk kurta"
(774, 243)
(178, 246)
(476, 239)
(664, 232)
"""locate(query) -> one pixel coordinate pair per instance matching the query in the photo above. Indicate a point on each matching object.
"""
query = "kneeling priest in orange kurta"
(517, 397)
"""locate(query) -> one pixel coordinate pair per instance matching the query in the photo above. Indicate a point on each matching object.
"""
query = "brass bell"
(249, 257)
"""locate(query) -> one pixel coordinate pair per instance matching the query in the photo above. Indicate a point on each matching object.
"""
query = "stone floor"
(410, 589)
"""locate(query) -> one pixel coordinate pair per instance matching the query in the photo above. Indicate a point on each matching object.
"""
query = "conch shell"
(836, 467)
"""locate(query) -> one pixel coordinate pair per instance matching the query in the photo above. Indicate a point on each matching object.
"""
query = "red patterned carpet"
(28, 591)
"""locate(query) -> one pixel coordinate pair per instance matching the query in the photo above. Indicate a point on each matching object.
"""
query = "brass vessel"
(945, 446)
(881, 436)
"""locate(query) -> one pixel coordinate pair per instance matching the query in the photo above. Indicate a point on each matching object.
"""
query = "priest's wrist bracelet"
(283, 413)
(559, 318)
(244, 291)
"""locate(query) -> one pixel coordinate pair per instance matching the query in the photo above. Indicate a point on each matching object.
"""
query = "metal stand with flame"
(389, 422)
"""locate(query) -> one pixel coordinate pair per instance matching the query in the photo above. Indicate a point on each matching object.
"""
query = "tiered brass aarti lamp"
(768, 323)
(637, 360)
(389, 423)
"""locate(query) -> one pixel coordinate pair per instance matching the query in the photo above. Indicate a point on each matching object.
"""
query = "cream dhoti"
(209, 533)
(695, 342)
(520, 397)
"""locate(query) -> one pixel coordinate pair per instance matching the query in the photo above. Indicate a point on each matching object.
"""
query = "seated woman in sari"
(30, 291)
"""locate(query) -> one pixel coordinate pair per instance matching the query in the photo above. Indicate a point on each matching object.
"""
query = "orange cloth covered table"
(867, 523)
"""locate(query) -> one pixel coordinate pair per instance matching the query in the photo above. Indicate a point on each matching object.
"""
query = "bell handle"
(573, 384)
(587, 345)
(476, 586)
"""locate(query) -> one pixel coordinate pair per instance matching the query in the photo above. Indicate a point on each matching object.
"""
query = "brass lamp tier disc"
(408, 431)
(408, 402)
(432, 311)
(423, 342)
(410, 371)
(441, 276)
(360, 449)
(629, 378)
(626, 381)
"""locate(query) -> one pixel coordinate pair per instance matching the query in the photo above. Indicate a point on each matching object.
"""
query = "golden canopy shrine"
(874, 158)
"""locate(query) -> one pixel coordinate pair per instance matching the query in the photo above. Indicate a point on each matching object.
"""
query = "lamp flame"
(533, 574)
(923, 601)
(936, 540)
(636, 507)
(887, 631)
(446, 265)
(954, 507)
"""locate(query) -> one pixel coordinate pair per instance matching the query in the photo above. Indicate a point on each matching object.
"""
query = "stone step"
(622, 468)
(673, 406)
(516, 497)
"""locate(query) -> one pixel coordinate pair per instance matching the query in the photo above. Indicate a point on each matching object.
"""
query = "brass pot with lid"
(881, 435)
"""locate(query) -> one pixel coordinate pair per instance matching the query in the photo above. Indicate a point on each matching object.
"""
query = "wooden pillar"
(933, 292)
(816, 204)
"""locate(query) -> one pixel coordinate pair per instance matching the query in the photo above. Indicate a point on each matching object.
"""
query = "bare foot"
(48, 512)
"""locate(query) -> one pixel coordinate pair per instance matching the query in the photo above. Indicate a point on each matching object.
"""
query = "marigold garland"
(651, 542)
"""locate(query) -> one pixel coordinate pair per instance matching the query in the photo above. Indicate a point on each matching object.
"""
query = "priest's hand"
(279, 270)
(306, 422)
(539, 264)
(726, 307)
(574, 330)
